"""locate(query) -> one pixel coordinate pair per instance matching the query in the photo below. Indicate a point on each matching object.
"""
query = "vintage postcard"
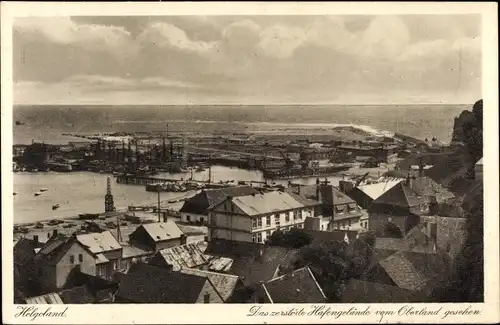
(190, 163)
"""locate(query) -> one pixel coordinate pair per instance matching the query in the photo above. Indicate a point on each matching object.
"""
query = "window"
(268, 221)
(188, 218)
(287, 217)
(297, 215)
(277, 220)
(268, 234)
(254, 223)
(349, 222)
(206, 298)
(80, 258)
(259, 222)
(259, 237)
(254, 238)
(339, 209)
(72, 259)
(201, 219)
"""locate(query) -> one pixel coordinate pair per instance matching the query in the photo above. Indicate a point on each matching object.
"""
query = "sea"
(83, 192)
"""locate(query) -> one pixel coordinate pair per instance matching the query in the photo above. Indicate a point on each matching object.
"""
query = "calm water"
(83, 192)
(46, 123)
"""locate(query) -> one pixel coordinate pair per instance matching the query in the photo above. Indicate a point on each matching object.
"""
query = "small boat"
(55, 207)
(38, 193)
(43, 189)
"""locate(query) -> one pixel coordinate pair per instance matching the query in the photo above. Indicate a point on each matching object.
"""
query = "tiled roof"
(149, 284)
(306, 191)
(160, 231)
(223, 283)
(202, 201)
(264, 203)
(399, 196)
(50, 298)
(358, 291)
(330, 195)
(414, 241)
(185, 256)
(299, 286)
(425, 186)
(252, 262)
(99, 242)
(374, 191)
(56, 247)
(24, 251)
(412, 271)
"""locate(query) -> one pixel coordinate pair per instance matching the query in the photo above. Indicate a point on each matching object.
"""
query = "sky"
(407, 59)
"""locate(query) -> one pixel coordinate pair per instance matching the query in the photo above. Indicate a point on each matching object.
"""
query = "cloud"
(170, 36)
(63, 30)
(250, 59)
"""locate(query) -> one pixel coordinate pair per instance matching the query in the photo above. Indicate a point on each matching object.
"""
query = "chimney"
(408, 180)
(183, 239)
(421, 168)
(35, 238)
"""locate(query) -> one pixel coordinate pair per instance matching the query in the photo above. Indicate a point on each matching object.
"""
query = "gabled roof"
(185, 256)
(264, 203)
(252, 262)
(24, 250)
(149, 284)
(414, 241)
(358, 291)
(399, 196)
(374, 191)
(412, 271)
(299, 286)
(55, 248)
(330, 195)
(305, 191)
(202, 201)
(223, 283)
(99, 242)
(329, 236)
(160, 231)
(425, 186)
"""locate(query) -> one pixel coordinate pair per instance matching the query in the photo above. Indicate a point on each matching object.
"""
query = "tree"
(390, 229)
(369, 237)
(295, 238)
(329, 264)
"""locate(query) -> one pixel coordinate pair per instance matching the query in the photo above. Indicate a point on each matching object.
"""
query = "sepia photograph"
(248, 159)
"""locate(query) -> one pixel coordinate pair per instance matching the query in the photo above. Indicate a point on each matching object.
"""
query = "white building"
(253, 218)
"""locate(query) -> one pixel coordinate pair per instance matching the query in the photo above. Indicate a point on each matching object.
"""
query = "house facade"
(195, 209)
(107, 249)
(157, 236)
(253, 218)
(58, 258)
(401, 206)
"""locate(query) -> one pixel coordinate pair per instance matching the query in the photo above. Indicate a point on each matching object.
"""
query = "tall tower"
(109, 205)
